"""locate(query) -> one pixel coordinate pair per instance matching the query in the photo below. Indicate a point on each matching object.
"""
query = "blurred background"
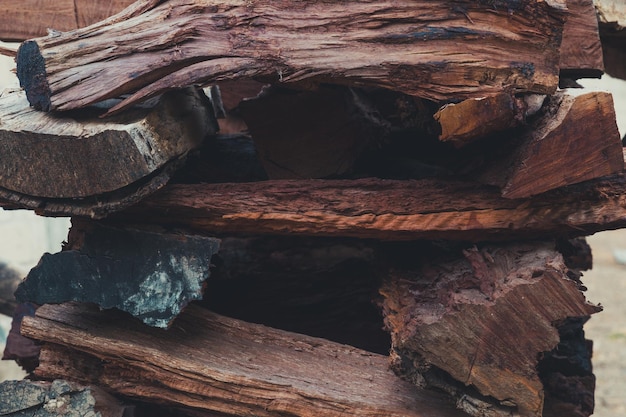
(24, 237)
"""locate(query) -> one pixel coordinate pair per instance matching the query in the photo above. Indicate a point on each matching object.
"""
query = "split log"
(385, 209)
(427, 49)
(209, 362)
(482, 320)
(575, 139)
(80, 155)
(151, 275)
(50, 399)
(27, 19)
(581, 49)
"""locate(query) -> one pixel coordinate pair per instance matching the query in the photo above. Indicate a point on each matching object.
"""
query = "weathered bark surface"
(484, 318)
(385, 209)
(151, 275)
(27, 19)
(51, 399)
(209, 362)
(574, 140)
(420, 48)
(581, 49)
(80, 155)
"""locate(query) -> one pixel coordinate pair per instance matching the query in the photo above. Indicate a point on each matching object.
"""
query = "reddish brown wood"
(485, 318)
(430, 49)
(209, 362)
(385, 209)
(581, 50)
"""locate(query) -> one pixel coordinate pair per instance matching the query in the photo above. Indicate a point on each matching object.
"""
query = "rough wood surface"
(149, 274)
(385, 209)
(574, 140)
(27, 19)
(484, 318)
(209, 362)
(581, 49)
(79, 155)
(428, 49)
(58, 398)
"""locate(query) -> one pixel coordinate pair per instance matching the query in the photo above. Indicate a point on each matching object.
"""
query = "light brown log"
(574, 140)
(27, 19)
(430, 49)
(209, 362)
(79, 155)
(581, 49)
(385, 209)
(485, 318)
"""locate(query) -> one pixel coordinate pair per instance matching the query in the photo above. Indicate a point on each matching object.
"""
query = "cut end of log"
(31, 71)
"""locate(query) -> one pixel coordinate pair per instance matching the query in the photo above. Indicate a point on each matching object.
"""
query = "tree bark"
(484, 318)
(80, 155)
(385, 209)
(148, 274)
(209, 362)
(429, 49)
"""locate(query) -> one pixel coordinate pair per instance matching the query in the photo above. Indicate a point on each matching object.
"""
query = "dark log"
(480, 322)
(80, 155)
(612, 21)
(574, 140)
(581, 50)
(27, 19)
(148, 274)
(58, 398)
(312, 134)
(320, 287)
(209, 362)
(385, 209)
(427, 49)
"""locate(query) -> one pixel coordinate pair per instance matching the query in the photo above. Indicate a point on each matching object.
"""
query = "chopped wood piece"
(80, 155)
(58, 398)
(612, 21)
(385, 209)
(581, 50)
(484, 318)
(209, 362)
(475, 118)
(312, 134)
(576, 139)
(25, 19)
(424, 48)
(148, 274)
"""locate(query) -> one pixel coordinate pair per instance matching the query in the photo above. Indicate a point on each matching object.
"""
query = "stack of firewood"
(375, 209)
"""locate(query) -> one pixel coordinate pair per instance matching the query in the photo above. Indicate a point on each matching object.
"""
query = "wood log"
(151, 275)
(80, 155)
(384, 209)
(575, 139)
(50, 399)
(209, 362)
(427, 49)
(581, 49)
(612, 21)
(483, 319)
(27, 19)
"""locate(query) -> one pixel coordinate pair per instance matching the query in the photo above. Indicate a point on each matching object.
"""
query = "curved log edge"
(421, 48)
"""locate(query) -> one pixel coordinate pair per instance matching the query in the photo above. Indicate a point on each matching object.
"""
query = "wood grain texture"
(27, 19)
(79, 155)
(485, 318)
(435, 50)
(209, 362)
(581, 49)
(385, 209)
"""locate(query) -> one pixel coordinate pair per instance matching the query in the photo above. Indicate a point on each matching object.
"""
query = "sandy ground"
(25, 237)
